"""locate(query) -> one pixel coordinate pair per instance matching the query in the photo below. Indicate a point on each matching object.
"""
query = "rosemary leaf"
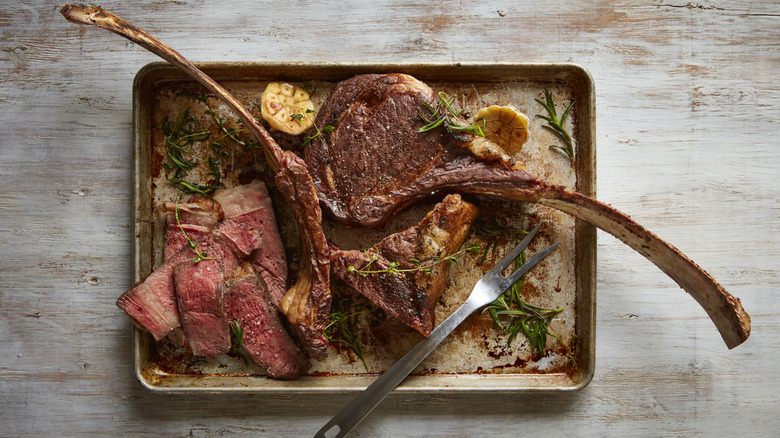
(555, 124)
(511, 313)
(443, 114)
(236, 335)
(425, 266)
(342, 329)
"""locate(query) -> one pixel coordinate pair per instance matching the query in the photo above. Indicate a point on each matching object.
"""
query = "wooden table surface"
(688, 106)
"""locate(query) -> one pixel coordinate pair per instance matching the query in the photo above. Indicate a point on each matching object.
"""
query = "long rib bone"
(724, 309)
(307, 303)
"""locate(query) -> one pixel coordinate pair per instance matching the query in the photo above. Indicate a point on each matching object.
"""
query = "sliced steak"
(199, 293)
(192, 219)
(152, 303)
(410, 296)
(270, 259)
(375, 162)
(184, 222)
(199, 284)
(248, 304)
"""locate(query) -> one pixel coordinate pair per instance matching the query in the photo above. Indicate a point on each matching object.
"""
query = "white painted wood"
(688, 103)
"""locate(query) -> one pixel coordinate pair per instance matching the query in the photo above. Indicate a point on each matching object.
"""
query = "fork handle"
(367, 400)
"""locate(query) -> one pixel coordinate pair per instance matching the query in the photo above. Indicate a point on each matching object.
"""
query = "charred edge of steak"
(307, 303)
(410, 296)
(440, 234)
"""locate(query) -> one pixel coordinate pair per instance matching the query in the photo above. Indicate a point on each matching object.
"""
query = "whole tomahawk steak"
(375, 162)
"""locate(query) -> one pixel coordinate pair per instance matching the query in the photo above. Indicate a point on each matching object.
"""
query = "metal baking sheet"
(476, 357)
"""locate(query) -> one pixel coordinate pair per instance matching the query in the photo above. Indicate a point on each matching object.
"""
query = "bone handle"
(291, 175)
(724, 309)
(97, 16)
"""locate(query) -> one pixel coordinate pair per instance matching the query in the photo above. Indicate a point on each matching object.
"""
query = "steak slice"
(199, 284)
(410, 296)
(269, 260)
(185, 222)
(248, 304)
(199, 293)
(375, 162)
(153, 305)
(306, 304)
(192, 219)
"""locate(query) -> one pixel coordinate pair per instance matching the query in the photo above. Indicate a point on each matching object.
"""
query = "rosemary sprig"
(193, 187)
(424, 266)
(510, 312)
(237, 340)
(513, 315)
(180, 135)
(493, 234)
(342, 329)
(310, 86)
(556, 124)
(230, 133)
(443, 114)
(236, 336)
(199, 255)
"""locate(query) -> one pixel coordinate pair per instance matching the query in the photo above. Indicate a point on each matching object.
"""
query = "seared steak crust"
(375, 162)
(410, 296)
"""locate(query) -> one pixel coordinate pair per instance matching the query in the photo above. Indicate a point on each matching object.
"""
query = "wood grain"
(688, 100)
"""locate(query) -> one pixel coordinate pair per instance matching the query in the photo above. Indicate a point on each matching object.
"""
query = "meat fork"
(487, 290)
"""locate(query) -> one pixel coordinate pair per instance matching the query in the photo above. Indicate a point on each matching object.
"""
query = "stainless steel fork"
(487, 290)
